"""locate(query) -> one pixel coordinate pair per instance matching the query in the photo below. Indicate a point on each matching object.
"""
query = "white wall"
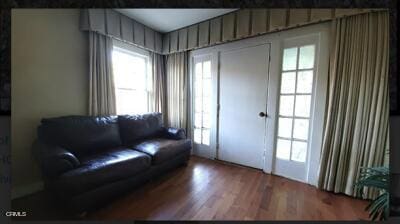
(49, 76)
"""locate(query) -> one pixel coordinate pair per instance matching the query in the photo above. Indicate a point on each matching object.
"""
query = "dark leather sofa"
(87, 161)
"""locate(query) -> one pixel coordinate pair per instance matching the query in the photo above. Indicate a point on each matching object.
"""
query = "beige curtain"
(101, 82)
(177, 90)
(356, 128)
(158, 100)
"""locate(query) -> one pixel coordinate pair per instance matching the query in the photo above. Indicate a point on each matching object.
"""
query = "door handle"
(262, 114)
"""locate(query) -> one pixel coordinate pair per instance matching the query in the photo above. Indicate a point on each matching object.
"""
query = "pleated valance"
(242, 23)
(246, 23)
(112, 23)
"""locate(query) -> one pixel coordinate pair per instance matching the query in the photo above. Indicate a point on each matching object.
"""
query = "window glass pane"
(206, 120)
(302, 108)
(197, 135)
(206, 137)
(131, 84)
(207, 69)
(197, 120)
(129, 70)
(300, 130)
(131, 101)
(198, 71)
(299, 151)
(289, 59)
(286, 105)
(139, 102)
(123, 98)
(283, 149)
(304, 81)
(285, 127)
(306, 58)
(288, 82)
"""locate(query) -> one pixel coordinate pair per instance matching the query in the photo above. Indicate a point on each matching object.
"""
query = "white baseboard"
(25, 190)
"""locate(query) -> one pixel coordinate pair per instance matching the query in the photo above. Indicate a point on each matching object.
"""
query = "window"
(131, 81)
(295, 102)
(202, 102)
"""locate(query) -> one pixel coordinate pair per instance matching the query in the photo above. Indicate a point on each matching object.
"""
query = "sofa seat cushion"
(102, 168)
(163, 149)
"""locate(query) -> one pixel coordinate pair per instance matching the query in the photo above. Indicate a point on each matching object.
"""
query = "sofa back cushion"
(136, 127)
(81, 134)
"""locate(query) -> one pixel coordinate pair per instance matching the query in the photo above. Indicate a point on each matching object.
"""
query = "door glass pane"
(289, 58)
(197, 120)
(299, 151)
(198, 70)
(206, 105)
(302, 108)
(206, 87)
(288, 82)
(285, 127)
(283, 149)
(202, 102)
(304, 81)
(207, 69)
(300, 129)
(206, 120)
(198, 104)
(206, 137)
(306, 58)
(197, 135)
(286, 105)
(198, 88)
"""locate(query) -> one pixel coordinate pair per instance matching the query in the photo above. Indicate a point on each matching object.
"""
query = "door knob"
(262, 114)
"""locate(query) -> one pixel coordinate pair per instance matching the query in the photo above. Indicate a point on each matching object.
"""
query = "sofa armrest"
(175, 133)
(54, 160)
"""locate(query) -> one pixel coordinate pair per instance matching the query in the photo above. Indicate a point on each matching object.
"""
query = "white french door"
(296, 98)
(202, 92)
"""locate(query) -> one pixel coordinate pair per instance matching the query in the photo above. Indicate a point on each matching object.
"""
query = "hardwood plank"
(213, 190)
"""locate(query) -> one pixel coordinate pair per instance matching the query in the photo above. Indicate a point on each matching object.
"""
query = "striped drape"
(357, 120)
(158, 99)
(177, 90)
(101, 81)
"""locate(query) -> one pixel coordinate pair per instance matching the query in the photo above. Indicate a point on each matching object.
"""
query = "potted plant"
(375, 178)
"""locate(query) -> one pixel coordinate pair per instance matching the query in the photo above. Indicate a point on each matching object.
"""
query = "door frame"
(275, 40)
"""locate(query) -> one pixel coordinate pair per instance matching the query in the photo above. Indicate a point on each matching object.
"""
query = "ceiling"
(166, 20)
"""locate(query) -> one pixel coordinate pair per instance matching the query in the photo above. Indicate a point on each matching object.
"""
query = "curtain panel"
(101, 81)
(158, 99)
(177, 90)
(357, 117)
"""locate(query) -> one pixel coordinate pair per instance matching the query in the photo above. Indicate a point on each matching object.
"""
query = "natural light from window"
(131, 82)
(202, 102)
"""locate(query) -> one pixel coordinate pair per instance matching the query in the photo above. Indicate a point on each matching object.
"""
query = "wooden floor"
(212, 190)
